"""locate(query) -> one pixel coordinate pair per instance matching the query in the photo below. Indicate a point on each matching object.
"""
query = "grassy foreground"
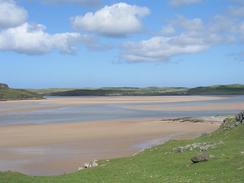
(162, 164)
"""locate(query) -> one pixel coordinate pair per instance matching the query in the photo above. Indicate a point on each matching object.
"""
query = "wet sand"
(207, 107)
(54, 149)
(60, 102)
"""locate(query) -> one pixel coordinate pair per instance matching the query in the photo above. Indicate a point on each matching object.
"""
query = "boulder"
(240, 117)
(200, 158)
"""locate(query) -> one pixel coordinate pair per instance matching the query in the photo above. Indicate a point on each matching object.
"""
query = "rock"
(240, 117)
(86, 165)
(196, 146)
(91, 164)
(200, 158)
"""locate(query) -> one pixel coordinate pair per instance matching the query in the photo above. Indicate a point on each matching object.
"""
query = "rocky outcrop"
(240, 117)
(233, 122)
(3, 86)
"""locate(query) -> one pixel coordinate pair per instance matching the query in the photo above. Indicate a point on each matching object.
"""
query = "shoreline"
(54, 149)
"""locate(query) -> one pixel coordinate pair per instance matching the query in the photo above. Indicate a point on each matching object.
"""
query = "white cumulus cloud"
(188, 36)
(120, 19)
(11, 14)
(162, 48)
(32, 39)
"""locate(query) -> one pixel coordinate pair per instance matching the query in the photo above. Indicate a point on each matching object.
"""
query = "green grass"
(17, 94)
(162, 165)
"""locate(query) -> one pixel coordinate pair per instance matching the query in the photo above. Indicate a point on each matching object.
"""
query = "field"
(164, 164)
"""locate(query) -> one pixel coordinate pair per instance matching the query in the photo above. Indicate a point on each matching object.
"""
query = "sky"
(110, 43)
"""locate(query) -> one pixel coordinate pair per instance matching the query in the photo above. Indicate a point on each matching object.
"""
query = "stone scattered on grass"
(91, 164)
(200, 158)
(196, 146)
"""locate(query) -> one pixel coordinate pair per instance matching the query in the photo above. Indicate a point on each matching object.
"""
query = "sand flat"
(57, 148)
(60, 102)
(207, 107)
(53, 149)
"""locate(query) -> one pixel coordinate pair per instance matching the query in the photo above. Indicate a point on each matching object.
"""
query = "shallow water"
(11, 113)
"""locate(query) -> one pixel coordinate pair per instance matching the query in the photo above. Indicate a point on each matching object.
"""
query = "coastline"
(54, 149)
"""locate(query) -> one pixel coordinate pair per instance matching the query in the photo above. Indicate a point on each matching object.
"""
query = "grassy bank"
(17, 94)
(164, 164)
(7, 93)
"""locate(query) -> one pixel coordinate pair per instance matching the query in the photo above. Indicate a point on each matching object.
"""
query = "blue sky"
(73, 43)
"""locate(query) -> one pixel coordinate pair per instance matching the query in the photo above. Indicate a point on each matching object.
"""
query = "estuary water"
(53, 111)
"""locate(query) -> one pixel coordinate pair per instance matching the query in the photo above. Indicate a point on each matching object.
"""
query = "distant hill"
(122, 92)
(150, 91)
(7, 93)
(3, 85)
(235, 89)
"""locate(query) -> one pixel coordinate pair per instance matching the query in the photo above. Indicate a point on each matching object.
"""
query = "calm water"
(77, 113)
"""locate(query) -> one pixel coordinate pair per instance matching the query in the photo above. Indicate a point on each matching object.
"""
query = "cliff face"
(3, 86)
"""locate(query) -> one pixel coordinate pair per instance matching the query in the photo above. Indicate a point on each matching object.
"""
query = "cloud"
(117, 20)
(11, 15)
(188, 37)
(163, 47)
(237, 11)
(189, 24)
(184, 2)
(237, 1)
(32, 39)
(17, 35)
(80, 2)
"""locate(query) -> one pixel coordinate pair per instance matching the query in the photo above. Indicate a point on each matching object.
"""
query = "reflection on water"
(12, 113)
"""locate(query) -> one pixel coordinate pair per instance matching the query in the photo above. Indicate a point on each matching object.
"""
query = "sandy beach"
(54, 149)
